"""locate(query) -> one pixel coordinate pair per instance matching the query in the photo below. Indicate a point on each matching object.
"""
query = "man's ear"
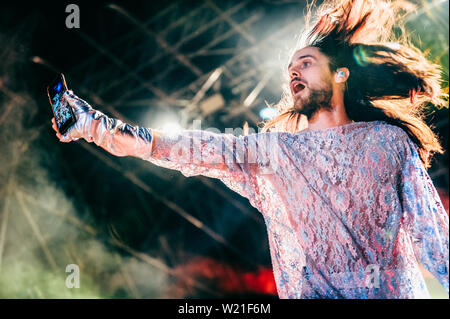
(341, 75)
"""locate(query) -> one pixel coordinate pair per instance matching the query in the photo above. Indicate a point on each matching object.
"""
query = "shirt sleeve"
(424, 215)
(236, 161)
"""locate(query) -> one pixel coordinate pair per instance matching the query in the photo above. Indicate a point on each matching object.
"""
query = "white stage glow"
(268, 113)
(171, 128)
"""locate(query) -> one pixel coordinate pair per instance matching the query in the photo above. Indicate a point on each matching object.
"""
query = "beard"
(316, 100)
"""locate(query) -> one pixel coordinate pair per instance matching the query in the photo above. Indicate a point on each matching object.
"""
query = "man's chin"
(299, 104)
(306, 109)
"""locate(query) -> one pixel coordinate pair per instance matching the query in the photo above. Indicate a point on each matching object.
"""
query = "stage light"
(268, 113)
(171, 128)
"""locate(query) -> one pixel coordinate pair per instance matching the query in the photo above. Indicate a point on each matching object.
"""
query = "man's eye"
(306, 64)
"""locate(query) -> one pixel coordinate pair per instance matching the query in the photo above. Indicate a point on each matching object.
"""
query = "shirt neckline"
(340, 128)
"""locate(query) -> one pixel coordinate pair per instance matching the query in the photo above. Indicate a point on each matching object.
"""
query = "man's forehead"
(313, 51)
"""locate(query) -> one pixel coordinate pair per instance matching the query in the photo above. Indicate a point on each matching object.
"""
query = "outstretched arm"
(111, 134)
(234, 160)
(425, 217)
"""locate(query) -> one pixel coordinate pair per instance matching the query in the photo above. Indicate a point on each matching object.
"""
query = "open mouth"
(297, 87)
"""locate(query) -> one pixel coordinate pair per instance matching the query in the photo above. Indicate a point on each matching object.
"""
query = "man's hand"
(84, 114)
(113, 135)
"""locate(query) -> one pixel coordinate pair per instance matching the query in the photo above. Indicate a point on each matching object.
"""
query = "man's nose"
(294, 73)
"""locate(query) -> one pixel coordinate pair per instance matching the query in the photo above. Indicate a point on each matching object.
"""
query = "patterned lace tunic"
(349, 209)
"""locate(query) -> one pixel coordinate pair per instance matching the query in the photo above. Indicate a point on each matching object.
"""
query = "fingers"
(69, 95)
(54, 124)
(71, 99)
(79, 107)
(62, 138)
(77, 104)
(55, 128)
(65, 138)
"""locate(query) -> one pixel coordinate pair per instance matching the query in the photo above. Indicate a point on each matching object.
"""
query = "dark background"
(120, 219)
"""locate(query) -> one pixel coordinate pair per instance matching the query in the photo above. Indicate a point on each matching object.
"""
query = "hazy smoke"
(41, 230)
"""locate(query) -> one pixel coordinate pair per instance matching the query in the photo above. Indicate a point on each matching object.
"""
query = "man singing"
(349, 206)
